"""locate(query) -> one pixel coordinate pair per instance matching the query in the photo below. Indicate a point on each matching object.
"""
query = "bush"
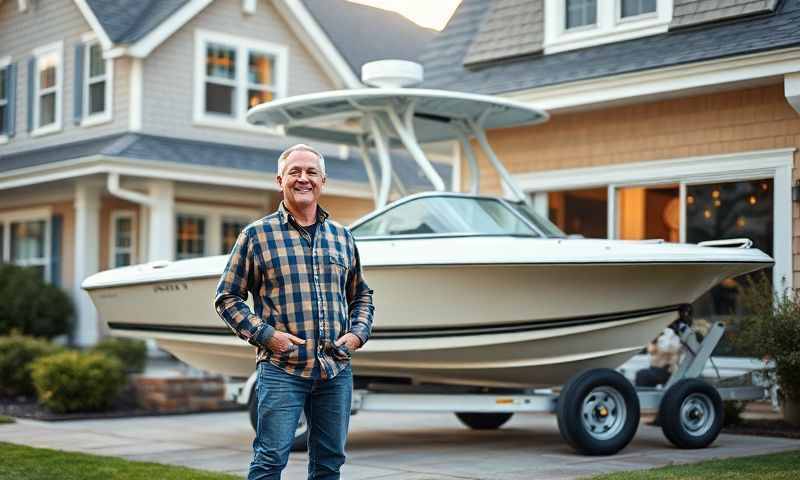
(17, 352)
(733, 412)
(131, 352)
(32, 306)
(771, 330)
(77, 382)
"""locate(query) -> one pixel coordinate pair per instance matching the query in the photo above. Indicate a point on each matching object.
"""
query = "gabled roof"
(363, 33)
(444, 68)
(204, 154)
(129, 21)
(341, 32)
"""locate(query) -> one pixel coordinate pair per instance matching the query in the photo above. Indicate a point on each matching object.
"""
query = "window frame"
(243, 46)
(213, 216)
(775, 164)
(113, 249)
(57, 49)
(5, 63)
(30, 215)
(87, 120)
(610, 26)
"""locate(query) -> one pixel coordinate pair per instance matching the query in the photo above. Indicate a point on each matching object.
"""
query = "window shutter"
(11, 110)
(78, 90)
(31, 85)
(56, 223)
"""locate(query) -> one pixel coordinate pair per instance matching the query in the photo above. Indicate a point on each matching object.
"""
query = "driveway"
(386, 446)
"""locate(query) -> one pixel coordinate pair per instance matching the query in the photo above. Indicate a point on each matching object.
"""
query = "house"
(122, 124)
(677, 120)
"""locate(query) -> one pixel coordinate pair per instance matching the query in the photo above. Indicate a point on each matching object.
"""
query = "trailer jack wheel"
(691, 414)
(598, 412)
(483, 421)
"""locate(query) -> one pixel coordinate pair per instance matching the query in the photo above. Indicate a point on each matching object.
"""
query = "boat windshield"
(445, 215)
(542, 223)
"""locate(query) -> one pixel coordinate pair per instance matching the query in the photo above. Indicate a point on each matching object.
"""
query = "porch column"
(161, 220)
(87, 242)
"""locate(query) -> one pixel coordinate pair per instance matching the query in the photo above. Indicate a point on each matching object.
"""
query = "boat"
(470, 289)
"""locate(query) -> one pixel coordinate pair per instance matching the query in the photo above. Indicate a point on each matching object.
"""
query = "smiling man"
(311, 310)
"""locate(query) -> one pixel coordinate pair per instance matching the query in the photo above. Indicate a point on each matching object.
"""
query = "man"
(312, 309)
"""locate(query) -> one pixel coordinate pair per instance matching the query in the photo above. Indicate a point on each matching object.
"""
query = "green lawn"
(4, 419)
(26, 463)
(779, 466)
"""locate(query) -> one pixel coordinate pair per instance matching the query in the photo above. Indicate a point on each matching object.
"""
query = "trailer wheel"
(598, 412)
(483, 420)
(691, 414)
(300, 443)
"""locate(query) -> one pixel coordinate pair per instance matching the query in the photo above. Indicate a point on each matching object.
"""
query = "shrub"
(131, 352)
(17, 352)
(32, 306)
(733, 412)
(77, 382)
(771, 330)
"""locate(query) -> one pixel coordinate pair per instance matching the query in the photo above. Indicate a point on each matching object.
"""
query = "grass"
(4, 419)
(26, 463)
(778, 466)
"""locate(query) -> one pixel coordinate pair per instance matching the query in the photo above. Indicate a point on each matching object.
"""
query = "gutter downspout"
(130, 195)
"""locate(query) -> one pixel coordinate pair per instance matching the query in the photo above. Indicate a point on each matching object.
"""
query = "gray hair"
(300, 147)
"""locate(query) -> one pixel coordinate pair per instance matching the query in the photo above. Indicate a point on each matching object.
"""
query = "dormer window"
(234, 74)
(635, 8)
(580, 13)
(573, 24)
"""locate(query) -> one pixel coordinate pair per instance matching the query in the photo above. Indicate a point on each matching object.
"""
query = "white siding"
(45, 22)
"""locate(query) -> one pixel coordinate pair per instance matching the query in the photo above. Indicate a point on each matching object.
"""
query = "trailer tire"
(598, 412)
(300, 442)
(483, 420)
(691, 414)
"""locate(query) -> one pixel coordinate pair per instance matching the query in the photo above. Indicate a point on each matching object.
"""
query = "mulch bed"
(122, 408)
(764, 428)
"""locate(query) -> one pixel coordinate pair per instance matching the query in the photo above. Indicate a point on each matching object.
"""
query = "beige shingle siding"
(511, 28)
(694, 12)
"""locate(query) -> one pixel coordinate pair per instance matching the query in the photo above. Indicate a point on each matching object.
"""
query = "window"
(4, 99)
(230, 232)
(191, 236)
(580, 212)
(573, 24)
(649, 213)
(123, 238)
(97, 84)
(581, 13)
(47, 84)
(634, 8)
(234, 74)
(25, 240)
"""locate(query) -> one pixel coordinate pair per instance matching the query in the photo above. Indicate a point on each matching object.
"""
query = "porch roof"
(142, 147)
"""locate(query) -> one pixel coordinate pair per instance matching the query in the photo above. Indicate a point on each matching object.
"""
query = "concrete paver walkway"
(384, 446)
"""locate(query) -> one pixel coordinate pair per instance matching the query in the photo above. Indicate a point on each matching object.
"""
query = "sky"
(431, 14)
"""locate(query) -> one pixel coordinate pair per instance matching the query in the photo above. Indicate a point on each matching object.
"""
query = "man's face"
(301, 180)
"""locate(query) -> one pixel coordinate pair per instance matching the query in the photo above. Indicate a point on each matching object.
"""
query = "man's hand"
(351, 340)
(282, 342)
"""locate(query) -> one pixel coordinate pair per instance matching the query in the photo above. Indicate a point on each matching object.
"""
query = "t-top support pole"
(472, 162)
(364, 151)
(480, 135)
(406, 134)
(382, 148)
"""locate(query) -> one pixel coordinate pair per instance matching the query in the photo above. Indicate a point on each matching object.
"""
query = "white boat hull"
(491, 324)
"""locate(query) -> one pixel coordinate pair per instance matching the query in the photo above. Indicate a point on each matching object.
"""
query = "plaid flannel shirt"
(271, 259)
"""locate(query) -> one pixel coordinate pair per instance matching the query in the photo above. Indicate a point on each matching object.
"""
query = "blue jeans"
(281, 399)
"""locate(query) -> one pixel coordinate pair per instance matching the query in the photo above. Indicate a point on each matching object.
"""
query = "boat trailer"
(598, 410)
